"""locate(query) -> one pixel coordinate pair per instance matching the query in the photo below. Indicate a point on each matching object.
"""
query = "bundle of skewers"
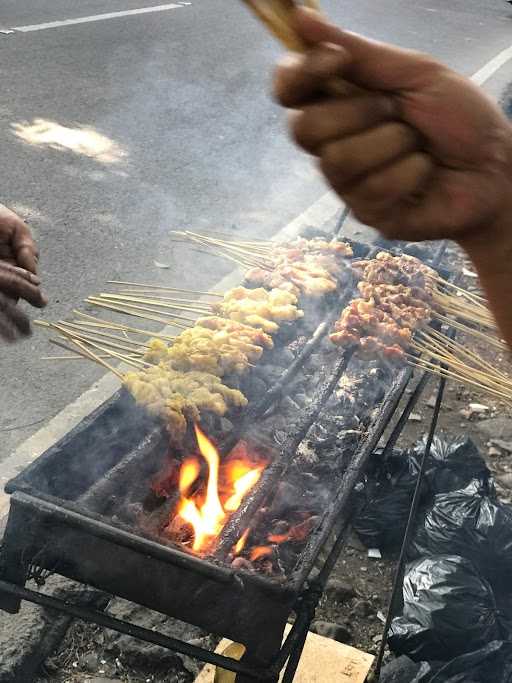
(178, 377)
(400, 299)
(309, 268)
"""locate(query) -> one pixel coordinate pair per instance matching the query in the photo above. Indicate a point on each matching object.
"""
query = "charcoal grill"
(57, 523)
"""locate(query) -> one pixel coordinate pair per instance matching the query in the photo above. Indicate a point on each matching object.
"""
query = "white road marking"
(492, 66)
(319, 213)
(96, 17)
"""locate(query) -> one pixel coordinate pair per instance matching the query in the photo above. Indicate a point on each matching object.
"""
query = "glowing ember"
(241, 542)
(297, 533)
(259, 551)
(207, 511)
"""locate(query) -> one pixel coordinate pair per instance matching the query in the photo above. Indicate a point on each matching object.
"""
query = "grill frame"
(61, 538)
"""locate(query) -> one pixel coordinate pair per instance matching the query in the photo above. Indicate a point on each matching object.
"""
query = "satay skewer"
(164, 288)
(137, 314)
(92, 320)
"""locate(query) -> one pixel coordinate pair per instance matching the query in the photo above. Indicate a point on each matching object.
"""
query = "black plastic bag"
(490, 664)
(472, 524)
(449, 609)
(385, 501)
(452, 464)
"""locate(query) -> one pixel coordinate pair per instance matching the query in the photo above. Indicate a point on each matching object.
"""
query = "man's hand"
(16, 244)
(418, 152)
(18, 279)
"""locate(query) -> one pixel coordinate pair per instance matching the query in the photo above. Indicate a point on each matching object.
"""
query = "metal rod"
(402, 420)
(97, 617)
(240, 519)
(398, 578)
(100, 529)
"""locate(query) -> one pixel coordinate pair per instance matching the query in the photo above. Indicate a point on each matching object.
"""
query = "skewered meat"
(244, 332)
(308, 267)
(402, 303)
(177, 396)
(300, 277)
(317, 246)
(206, 350)
(364, 325)
(259, 308)
(396, 270)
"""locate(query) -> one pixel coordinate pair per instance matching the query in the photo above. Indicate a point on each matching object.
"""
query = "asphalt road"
(114, 132)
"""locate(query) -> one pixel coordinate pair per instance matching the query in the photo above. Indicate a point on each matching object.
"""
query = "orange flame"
(188, 474)
(240, 545)
(259, 551)
(204, 510)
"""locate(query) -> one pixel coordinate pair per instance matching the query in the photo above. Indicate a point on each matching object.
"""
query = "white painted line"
(493, 65)
(96, 17)
(319, 213)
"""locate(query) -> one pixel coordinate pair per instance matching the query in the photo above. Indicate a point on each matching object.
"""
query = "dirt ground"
(89, 651)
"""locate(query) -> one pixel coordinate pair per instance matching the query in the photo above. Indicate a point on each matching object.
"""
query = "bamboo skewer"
(470, 295)
(196, 308)
(471, 331)
(436, 369)
(92, 356)
(136, 314)
(123, 340)
(85, 336)
(124, 328)
(456, 365)
(444, 341)
(127, 308)
(72, 336)
(166, 289)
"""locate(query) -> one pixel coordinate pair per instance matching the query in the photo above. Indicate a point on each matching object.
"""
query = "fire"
(240, 545)
(207, 509)
(260, 551)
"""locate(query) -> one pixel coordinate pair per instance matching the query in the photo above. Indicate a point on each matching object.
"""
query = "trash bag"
(490, 664)
(384, 501)
(469, 523)
(449, 610)
(452, 464)
(386, 497)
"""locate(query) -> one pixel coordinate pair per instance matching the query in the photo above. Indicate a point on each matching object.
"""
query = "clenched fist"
(416, 151)
(18, 278)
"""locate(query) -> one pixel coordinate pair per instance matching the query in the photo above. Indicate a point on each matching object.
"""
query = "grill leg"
(262, 650)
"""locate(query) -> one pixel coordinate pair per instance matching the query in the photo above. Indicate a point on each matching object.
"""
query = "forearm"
(491, 254)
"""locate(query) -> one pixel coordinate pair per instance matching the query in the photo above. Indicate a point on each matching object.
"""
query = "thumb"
(373, 64)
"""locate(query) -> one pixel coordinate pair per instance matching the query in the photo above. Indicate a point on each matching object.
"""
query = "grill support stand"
(269, 660)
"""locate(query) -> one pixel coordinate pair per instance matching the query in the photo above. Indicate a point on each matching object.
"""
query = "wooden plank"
(323, 661)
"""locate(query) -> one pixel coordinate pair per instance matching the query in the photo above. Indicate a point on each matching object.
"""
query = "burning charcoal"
(242, 563)
(307, 454)
(279, 526)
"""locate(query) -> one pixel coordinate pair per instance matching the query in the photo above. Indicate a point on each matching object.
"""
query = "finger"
(24, 247)
(303, 78)
(17, 287)
(27, 275)
(317, 124)
(449, 206)
(345, 160)
(371, 64)
(374, 199)
(13, 322)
